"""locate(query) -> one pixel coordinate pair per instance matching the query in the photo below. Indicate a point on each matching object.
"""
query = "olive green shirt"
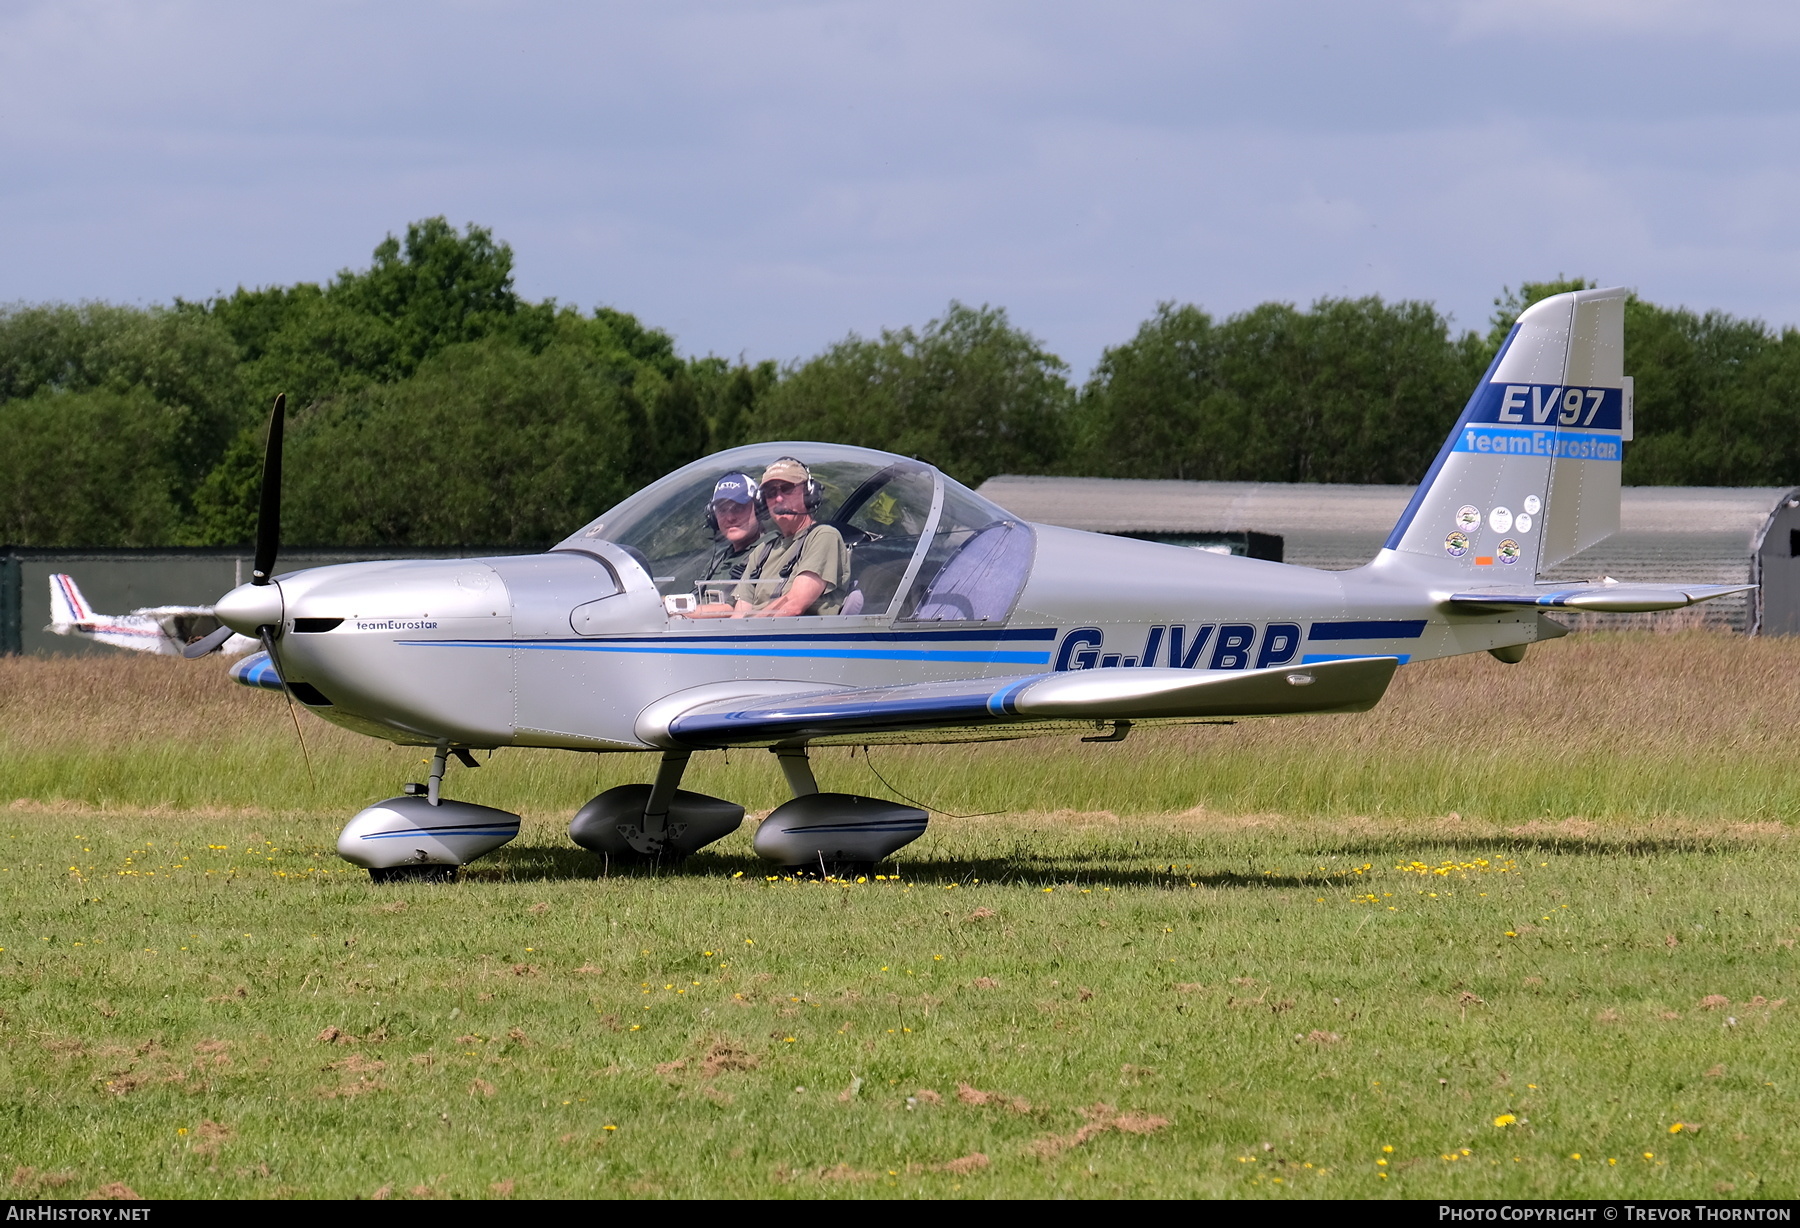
(776, 561)
(726, 568)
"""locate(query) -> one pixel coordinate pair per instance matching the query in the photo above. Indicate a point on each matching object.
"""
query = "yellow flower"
(787, 1040)
(609, 1127)
(1504, 1120)
(1389, 1148)
(181, 1130)
(1678, 1127)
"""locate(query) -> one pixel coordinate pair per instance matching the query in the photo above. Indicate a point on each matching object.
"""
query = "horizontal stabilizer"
(1600, 598)
(1081, 695)
(257, 670)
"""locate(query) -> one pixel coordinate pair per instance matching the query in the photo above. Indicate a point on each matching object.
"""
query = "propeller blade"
(268, 516)
(210, 643)
(267, 636)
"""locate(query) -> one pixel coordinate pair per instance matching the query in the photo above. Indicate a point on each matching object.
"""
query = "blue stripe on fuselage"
(1369, 629)
(979, 656)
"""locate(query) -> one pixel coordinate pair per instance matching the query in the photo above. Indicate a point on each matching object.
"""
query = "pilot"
(805, 570)
(731, 513)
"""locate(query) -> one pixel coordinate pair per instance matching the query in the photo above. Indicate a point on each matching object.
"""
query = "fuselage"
(568, 648)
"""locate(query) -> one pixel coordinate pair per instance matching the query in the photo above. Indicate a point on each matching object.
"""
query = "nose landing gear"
(422, 836)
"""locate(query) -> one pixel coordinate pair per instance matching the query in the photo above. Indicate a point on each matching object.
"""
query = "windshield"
(885, 507)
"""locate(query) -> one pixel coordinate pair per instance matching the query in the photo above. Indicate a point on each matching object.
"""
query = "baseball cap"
(787, 469)
(737, 487)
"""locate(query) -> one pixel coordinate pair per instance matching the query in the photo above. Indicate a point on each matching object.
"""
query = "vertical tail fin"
(68, 608)
(1530, 476)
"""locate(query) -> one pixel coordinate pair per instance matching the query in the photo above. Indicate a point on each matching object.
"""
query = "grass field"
(1532, 928)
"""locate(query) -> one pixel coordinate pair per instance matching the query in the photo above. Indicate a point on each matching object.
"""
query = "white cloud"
(764, 178)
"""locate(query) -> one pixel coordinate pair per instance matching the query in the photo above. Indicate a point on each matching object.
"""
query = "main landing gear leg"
(657, 831)
(797, 768)
(656, 822)
(434, 783)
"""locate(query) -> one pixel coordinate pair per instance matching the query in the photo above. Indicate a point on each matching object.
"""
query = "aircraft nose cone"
(250, 606)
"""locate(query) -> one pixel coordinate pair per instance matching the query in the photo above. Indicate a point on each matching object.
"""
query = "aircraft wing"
(1002, 705)
(1613, 598)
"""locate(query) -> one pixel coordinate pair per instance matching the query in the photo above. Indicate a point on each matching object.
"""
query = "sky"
(762, 179)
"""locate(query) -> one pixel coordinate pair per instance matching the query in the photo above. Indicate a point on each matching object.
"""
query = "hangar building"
(1709, 534)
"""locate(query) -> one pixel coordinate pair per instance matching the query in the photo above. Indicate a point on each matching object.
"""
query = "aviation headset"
(814, 493)
(756, 500)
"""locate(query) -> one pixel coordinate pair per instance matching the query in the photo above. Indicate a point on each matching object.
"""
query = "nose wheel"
(422, 836)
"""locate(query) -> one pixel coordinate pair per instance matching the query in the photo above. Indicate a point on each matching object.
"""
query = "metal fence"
(117, 581)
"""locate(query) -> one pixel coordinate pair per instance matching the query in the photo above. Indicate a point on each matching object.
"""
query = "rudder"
(68, 608)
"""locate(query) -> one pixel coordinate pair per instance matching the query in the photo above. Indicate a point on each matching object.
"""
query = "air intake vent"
(313, 626)
(309, 694)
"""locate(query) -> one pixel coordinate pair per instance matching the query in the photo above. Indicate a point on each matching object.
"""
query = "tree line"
(432, 405)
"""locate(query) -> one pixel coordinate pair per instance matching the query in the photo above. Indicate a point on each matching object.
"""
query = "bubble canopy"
(923, 547)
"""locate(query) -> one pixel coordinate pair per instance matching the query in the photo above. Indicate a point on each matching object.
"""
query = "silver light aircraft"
(950, 619)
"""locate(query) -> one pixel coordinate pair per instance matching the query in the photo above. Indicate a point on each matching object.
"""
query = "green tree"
(180, 361)
(434, 289)
(487, 444)
(969, 392)
(1716, 400)
(1354, 390)
(96, 467)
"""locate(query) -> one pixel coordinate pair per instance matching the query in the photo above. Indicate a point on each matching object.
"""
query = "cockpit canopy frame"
(923, 547)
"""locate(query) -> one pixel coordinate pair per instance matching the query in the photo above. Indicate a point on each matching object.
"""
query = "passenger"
(806, 570)
(731, 514)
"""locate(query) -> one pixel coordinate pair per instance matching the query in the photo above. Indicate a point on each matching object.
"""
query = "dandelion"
(1678, 1127)
(1649, 1155)
(609, 1127)
(1504, 1120)
(1574, 1155)
(1389, 1148)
